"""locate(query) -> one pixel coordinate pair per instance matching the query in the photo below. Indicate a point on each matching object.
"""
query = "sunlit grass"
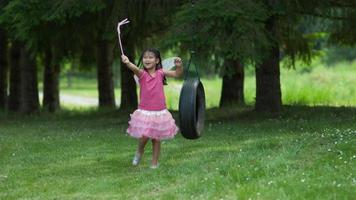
(321, 86)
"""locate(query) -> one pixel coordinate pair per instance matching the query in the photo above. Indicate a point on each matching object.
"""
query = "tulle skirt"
(157, 125)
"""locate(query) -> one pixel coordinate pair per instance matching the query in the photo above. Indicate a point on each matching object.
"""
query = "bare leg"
(140, 149)
(141, 145)
(156, 150)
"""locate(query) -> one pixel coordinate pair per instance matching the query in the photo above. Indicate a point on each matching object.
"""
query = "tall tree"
(107, 19)
(233, 84)
(268, 88)
(51, 81)
(29, 88)
(128, 85)
(15, 77)
(3, 68)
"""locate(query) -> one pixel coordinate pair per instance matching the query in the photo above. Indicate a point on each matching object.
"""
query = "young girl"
(152, 120)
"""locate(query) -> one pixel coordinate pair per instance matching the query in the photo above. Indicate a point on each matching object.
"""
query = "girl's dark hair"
(157, 55)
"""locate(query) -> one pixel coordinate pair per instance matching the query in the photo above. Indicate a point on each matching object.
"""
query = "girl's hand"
(125, 59)
(178, 62)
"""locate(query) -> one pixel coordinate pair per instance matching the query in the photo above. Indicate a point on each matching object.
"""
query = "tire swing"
(192, 106)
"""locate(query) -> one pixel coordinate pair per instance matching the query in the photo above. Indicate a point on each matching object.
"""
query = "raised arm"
(131, 66)
(175, 73)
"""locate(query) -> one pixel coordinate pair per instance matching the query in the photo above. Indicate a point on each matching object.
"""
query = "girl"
(152, 120)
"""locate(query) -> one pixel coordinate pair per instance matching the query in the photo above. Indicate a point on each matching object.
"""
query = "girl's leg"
(141, 145)
(140, 149)
(156, 150)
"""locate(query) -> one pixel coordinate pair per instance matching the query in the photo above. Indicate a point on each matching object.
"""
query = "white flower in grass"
(3, 176)
(270, 182)
(339, 185)
(302, 180)
(329, 149)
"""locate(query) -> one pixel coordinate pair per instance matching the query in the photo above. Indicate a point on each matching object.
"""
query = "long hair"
(157, 55)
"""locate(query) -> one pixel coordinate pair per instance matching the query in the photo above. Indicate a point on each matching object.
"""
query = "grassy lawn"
(306, 153)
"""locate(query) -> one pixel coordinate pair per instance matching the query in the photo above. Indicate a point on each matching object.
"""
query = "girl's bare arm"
(176, 73)
(130, 65)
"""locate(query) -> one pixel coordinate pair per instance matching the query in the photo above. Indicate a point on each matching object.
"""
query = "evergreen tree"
(229, 33)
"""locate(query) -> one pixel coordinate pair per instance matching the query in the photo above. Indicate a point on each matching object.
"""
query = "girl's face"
(149, 60)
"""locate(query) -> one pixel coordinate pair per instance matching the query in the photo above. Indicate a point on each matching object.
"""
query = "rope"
(125, 21)
(192, 52)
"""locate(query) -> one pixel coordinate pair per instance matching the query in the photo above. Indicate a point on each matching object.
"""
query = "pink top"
(151, 91)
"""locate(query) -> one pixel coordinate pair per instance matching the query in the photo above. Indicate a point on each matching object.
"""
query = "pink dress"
(152, 119)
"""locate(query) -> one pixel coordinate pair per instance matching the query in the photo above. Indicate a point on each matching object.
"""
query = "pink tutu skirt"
(157, 125)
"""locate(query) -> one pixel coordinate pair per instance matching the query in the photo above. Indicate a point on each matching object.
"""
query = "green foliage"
(44, 25)
(343, 30)
(337, 54)
(220, 29)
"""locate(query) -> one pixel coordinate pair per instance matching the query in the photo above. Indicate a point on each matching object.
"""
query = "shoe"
(154, 166)
(136, 159)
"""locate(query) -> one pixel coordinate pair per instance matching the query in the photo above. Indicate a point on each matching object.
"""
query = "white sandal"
(136, 159)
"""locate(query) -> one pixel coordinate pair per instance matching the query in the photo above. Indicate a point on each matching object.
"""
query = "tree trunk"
(268, 88)
(233, 84)
(3, 69)
(51, 82)
(15, 77)
(29, 88)
(128, 84)
(105, 74)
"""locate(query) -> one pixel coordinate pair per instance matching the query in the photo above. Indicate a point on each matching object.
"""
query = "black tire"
(192, 109)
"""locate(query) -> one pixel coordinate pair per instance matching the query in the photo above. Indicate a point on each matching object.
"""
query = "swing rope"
(192, 51)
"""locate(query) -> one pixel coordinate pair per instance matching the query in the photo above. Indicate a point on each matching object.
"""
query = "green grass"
(305, 153)
(321, 86)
